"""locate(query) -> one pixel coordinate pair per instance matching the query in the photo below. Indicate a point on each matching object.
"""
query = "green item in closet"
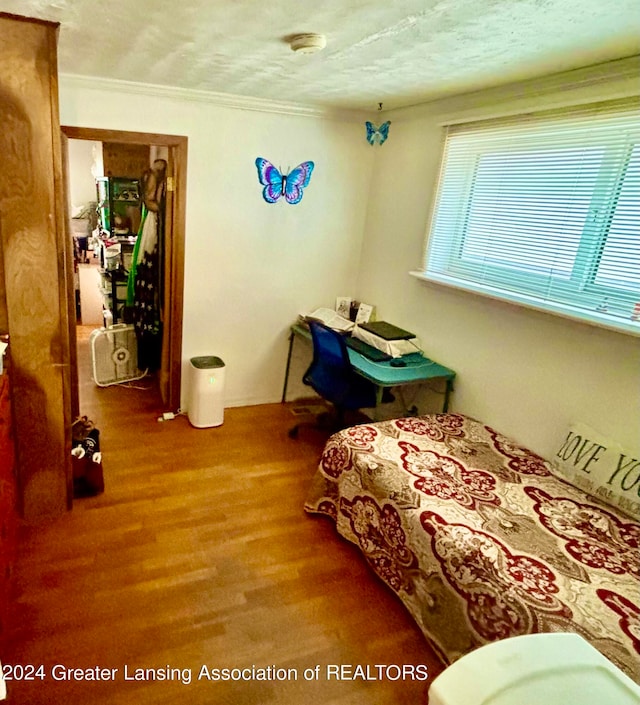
(131, 281)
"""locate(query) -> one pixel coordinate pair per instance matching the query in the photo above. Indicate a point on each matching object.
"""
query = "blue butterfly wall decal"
(377, 134)
(289, 185)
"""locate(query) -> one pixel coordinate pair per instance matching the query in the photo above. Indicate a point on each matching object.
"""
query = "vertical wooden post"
(36, 259)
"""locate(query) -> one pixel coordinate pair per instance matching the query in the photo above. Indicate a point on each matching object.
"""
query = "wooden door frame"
(177, 146)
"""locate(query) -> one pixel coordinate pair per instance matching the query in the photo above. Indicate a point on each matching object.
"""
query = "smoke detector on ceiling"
(308, 43)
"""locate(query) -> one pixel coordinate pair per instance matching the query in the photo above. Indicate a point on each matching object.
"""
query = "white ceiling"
(395, 52)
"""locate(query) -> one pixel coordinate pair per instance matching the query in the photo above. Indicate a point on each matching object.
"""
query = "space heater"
(114, 355)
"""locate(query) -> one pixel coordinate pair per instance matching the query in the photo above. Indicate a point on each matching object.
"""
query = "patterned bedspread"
(478, 539)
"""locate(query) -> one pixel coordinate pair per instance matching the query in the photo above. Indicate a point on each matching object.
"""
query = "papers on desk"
(330, 318)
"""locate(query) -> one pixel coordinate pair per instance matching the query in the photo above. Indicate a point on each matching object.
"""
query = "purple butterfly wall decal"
(289, 185)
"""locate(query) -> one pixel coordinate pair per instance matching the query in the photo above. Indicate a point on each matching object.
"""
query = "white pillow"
(600, 467)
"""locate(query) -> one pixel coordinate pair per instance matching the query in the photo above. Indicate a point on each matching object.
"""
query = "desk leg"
(379, 393)
(286, 373)
(447, 393)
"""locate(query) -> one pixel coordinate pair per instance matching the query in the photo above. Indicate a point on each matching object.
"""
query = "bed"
(479, 538)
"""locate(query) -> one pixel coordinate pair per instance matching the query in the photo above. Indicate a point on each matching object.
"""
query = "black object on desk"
(366, 349)
(387, 331)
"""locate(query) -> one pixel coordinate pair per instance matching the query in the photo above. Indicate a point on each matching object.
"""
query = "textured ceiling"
(397, 52)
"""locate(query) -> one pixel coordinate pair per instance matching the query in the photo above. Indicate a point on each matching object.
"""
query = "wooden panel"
(36, 259)
(122, 159)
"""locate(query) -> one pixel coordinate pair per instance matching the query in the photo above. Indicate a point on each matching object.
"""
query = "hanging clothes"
(145, 277)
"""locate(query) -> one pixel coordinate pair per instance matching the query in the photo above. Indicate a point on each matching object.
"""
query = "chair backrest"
(330, 368)
(331, 373)
(329, 346)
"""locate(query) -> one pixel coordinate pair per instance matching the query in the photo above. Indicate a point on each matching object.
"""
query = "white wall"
(250, 267)
(82, 155)
(526, 373)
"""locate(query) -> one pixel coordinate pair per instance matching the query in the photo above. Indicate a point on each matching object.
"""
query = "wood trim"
(179, 158)
(30, 20)
(178, 145)
(66, 294)
(97, 134)
(67, 259)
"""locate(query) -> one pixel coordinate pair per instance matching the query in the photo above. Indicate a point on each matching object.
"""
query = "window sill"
(599, 320)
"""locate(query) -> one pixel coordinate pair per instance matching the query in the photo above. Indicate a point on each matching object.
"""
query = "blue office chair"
(331, 375)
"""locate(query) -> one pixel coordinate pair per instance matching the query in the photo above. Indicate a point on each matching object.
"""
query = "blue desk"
(418, 369)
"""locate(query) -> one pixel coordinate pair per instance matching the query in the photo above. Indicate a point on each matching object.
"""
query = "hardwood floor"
(199, 554)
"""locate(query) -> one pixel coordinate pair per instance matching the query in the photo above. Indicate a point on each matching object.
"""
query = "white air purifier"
(114, 355)
(205, 403)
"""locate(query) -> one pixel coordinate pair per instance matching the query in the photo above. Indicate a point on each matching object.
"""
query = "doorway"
(169, 377)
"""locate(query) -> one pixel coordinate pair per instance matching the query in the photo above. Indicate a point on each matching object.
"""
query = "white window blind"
(544, 210)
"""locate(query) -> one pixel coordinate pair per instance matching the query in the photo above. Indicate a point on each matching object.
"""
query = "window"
(544, 210)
